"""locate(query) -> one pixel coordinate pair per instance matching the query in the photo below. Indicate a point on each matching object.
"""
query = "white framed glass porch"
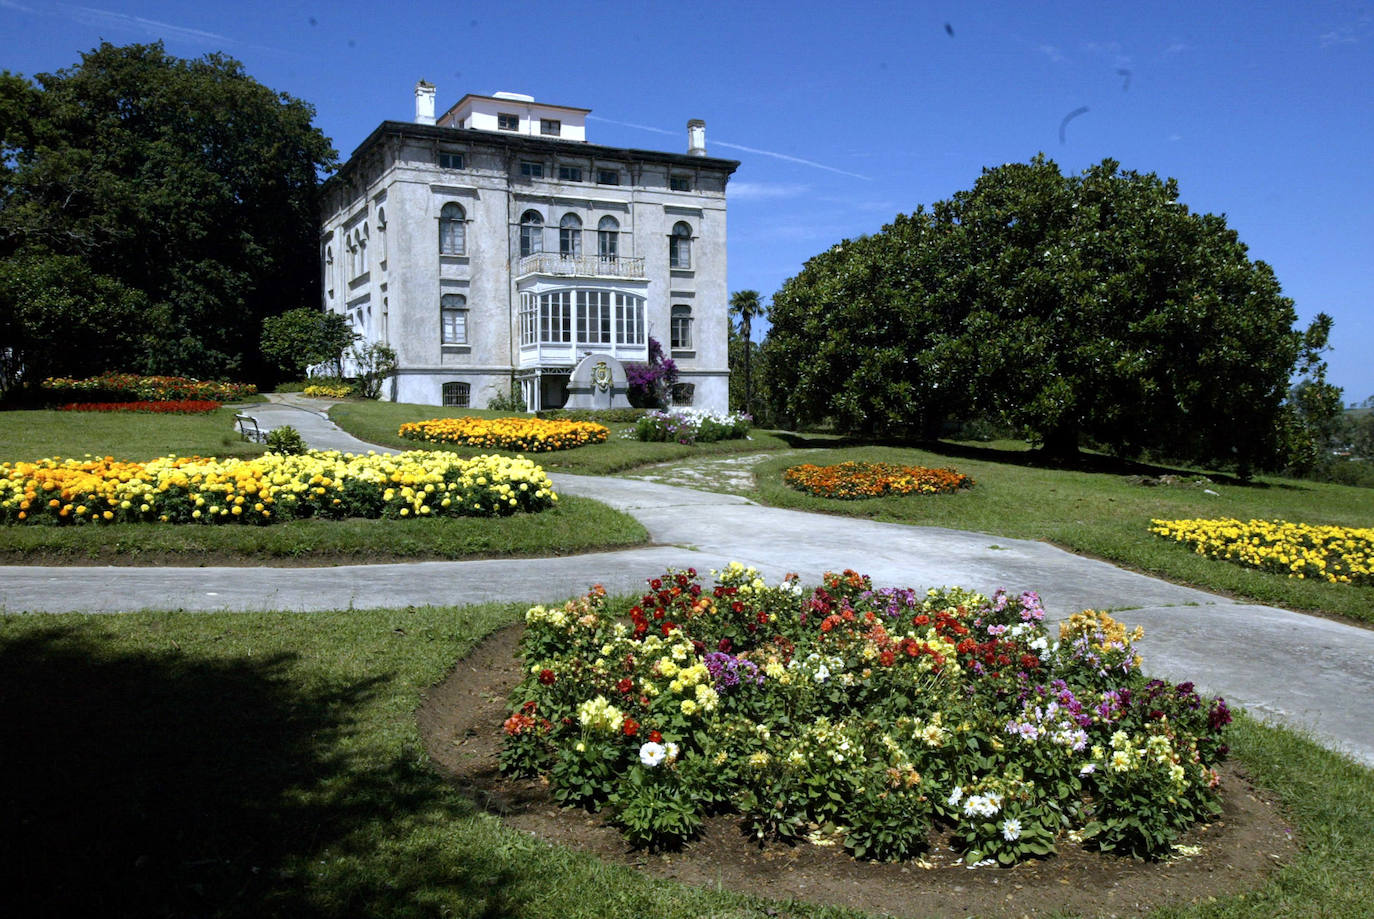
(558, 326)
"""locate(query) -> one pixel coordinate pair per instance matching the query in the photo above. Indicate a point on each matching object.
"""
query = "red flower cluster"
(851, 480)
(179, 407)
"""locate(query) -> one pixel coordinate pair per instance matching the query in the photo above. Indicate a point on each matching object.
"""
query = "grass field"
(1101, 514)
(269, 764)
(576, 525)
(377, 422)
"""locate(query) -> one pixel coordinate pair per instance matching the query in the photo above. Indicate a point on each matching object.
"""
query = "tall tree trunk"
(748, 375)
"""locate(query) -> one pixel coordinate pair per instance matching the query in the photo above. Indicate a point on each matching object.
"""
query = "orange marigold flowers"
(852, 481)
(529, 435)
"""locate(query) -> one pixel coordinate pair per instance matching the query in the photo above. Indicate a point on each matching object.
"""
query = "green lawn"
(30, 435)
(378, 422)
(1101, 514)
(269, 764)
(576, 525)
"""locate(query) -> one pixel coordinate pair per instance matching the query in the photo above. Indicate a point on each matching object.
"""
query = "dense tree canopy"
(186, 181)
(301, 338)
(1093, 306)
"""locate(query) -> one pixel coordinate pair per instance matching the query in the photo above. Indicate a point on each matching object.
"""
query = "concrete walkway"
(1303, 671)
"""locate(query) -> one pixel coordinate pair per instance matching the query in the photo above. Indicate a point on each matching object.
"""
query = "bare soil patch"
(461, 717)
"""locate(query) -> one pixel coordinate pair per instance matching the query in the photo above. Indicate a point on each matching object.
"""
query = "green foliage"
(186, 181)
(58, 317)
(1092, 306)
(509, 401)
(373, 363)
(653, 809)
(598, 415)
(286, 440)
(745, 305)
(300, 338)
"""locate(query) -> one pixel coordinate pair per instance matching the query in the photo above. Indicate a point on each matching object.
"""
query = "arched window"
(531, 234)
(452, 230)
(680, 246)
(680, 328)
(453, 319)
(457, 395)
(608, 237)
(570, 236)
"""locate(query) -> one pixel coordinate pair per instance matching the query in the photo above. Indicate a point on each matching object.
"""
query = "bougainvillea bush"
(865, 717)
(270, 488)
(129, 387)
(177, 407)
(688, 426)
(852, 480)
(529, 435)
(1340, 555)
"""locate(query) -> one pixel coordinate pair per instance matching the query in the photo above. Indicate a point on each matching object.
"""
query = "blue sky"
(845, 114)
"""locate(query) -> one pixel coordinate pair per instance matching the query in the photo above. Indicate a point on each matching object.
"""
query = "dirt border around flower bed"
(460, 721)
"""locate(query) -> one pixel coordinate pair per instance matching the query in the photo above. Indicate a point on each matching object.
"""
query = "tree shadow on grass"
(169, 784)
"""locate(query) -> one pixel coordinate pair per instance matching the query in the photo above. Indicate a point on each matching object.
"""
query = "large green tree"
(301, 338)
(185, 180)
(1080, 307)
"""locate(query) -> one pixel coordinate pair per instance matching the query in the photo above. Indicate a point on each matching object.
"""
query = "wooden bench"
(248, 428)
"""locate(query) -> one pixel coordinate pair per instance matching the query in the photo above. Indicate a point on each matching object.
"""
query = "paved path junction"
(1303, 671)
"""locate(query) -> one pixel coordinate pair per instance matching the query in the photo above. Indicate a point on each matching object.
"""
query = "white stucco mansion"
(495, 244)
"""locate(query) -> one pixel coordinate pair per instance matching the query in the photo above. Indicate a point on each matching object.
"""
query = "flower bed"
(128, 387)
(270, 488)
(852, 481)
(1341, 555)
(177, 407)
(329, 391)
(687, 426)
(529, 435)
(868, 718)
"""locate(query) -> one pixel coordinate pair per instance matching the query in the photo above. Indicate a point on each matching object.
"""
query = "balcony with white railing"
(580, 266)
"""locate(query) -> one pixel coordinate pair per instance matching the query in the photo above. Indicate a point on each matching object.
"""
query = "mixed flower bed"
(177, 407)
(128, 387)
(1341, 555)
(859, 716)
(270, 488)
(688, 426)
(851, 480)
(529, 435)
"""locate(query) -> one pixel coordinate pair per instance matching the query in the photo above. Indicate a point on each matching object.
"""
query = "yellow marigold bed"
(1341, 555)
(269, 488)
(528, 435)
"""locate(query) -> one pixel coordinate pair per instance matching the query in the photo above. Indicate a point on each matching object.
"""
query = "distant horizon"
(842, 119)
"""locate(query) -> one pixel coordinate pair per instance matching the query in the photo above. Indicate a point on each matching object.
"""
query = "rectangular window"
(527, 307)
(531, 169)
(570, 173)
(629, 320)
(680, 328)
(450, 161)
(457, 395)
(680, 183)
(507, 122)
(607, 177)
(594, 317)
(550, 126)
(555, 317)
(455, 327)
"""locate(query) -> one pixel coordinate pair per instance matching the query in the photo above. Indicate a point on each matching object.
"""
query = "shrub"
(286, 440)
(528, 435)
(509, 401)
(853, 481)
(871, 718)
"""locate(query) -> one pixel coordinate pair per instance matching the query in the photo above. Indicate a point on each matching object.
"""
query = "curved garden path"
(1306, 672)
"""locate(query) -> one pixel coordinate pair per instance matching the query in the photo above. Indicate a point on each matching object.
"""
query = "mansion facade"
(494, 246)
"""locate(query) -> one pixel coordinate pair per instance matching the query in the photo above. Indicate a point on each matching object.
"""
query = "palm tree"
(745, 304)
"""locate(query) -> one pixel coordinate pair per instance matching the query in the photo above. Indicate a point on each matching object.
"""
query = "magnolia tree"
(1092, 307)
